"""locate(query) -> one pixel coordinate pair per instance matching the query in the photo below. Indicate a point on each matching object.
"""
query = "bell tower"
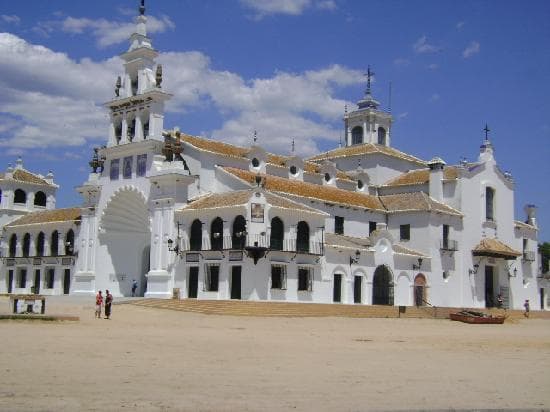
(137, 109)
(368, 124)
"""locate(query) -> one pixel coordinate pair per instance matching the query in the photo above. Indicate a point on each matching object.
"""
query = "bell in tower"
(368, 124)
(137, 108)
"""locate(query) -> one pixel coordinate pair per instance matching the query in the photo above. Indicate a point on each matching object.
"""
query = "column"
(139, 128)
(124, 134)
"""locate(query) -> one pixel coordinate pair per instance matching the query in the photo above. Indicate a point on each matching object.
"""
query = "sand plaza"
(152, 359)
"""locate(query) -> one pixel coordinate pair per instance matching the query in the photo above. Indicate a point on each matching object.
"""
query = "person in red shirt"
(98, 304)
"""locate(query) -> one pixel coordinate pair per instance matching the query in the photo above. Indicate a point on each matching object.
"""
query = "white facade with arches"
(195, 218)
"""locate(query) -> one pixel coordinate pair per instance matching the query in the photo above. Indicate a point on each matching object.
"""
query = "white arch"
(126, 212)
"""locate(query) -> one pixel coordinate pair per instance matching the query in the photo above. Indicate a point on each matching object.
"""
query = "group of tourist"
(99, 301)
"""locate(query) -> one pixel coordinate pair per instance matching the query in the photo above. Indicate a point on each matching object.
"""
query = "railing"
(448, 244)
(258, 240)
(529, 256)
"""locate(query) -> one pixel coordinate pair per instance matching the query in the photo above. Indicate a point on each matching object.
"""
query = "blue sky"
(286, 68)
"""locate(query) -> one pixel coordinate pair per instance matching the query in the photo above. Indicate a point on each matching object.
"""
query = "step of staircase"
(291, 309)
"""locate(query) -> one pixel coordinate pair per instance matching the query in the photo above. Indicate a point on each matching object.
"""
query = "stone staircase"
(286, 309)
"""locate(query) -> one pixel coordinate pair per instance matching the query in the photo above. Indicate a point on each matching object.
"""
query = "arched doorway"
(382, 286)
(420, 290)
(302, 237)
(124, 243)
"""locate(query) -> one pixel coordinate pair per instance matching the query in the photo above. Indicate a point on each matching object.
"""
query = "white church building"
(201, 219)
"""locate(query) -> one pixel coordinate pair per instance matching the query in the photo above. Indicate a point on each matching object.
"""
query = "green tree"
(544, 249)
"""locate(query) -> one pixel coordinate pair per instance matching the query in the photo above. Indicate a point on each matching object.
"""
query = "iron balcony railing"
(448, 244)
(529, 256)
(241, 242)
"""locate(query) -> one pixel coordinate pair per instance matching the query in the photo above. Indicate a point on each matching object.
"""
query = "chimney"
(436, 166)
(531, 211)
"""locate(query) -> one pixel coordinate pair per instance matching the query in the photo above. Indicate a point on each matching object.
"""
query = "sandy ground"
(152, 360)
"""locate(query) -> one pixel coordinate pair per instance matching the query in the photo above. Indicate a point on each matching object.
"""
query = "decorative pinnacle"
(142, 8)
(487, 130)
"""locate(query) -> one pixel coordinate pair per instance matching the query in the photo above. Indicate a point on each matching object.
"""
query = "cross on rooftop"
(142, 8)
(487, 130)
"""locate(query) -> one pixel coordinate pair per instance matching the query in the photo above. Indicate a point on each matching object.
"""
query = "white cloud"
(434, 97)
(433, 66)
(108, 32)
(50, 99)
(402, 116)
(472, 49)
(10, 19)
(264, 8)
(422, 46)
(460, 25)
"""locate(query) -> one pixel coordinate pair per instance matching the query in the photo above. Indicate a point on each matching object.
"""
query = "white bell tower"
(368, 124)
(137, 110)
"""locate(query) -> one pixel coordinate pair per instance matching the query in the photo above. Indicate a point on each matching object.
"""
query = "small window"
(69, 242)
(20, 197)
(40, 244)
(372, 227)
(278, 277)
(293, 170)
(360, 184)
(40, 199)
(146, 130)
(381, 136)
(141, 164)
(26, 245)
(54, 244)
(357, 135)
(405, 232)
(446, 237)
(22, 278)
(255, 162)
(212, 276)
(50, 278)
(132, 130)
(339, 225)
(115, 163)
(118, 132)
(327, 177)
(127, 167)
(13, 245)
(134, 84)
(524, 245)
(489, 204)
(305, 279)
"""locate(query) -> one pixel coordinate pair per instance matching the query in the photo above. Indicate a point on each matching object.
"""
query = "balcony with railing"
(242, 242)
(528, 256)
(448, 244)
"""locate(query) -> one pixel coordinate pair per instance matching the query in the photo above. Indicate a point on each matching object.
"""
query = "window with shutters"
(278, 276)
(305, 279)
(212, 277)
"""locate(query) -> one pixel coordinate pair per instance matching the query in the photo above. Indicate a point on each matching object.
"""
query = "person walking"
(98, 304)
(526, 306)
(108, 303)
(134, 287)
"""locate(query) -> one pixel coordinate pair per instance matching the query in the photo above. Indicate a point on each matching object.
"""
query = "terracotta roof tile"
(365, 148)
(226, 149)
(27, 177)
(48, 216)
(416, 201)
(495, 248)
(309, 190)
(347, 242)
(397, 248)
(241, 197)
(421, 176)
(524, 225)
